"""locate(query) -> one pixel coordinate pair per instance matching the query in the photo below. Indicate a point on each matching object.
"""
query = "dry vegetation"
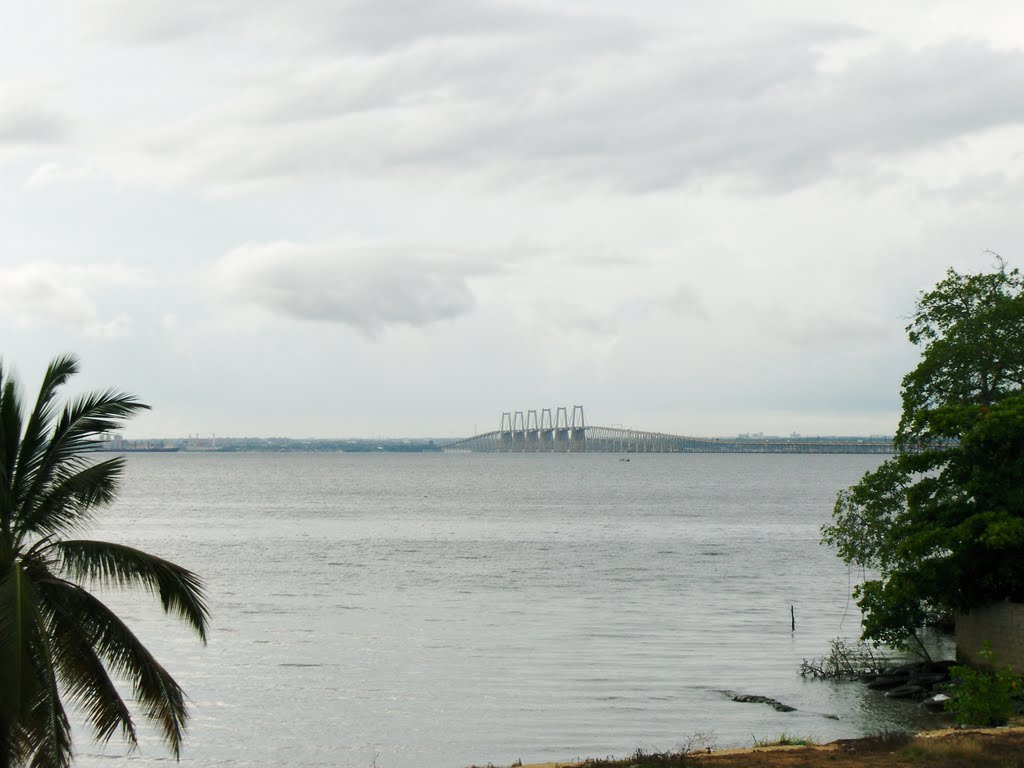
(985, 748)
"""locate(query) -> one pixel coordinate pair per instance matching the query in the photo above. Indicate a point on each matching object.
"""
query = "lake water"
(441, 610)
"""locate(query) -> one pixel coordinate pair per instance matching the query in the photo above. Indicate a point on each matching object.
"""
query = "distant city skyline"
(351, 218)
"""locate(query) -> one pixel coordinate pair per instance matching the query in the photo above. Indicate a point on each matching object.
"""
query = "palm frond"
(72, 498)
(160, 695)
(74, 433)
(46, 729)
(34, 440)
(44, 733)
(180, 590)
(83, 678)
(91, 415)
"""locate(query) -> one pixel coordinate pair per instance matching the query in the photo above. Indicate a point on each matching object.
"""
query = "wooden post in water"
(792, 619)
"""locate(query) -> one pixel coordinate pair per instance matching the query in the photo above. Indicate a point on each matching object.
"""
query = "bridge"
(561, 432)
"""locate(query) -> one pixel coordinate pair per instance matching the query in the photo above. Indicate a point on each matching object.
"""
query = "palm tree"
(58, 642)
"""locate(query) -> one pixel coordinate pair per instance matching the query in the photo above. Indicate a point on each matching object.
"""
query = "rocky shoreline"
(922, 682)
(925, 682)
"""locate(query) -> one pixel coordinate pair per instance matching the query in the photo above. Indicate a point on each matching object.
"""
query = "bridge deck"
(593, 439)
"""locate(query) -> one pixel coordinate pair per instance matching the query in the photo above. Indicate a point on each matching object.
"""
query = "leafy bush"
(983, 696)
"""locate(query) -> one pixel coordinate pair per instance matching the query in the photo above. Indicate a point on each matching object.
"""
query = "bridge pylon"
(561, 430)
(577, 430)
(532, 431)
(518, 431)
(577, 423)
(505, 431)
(547, 430)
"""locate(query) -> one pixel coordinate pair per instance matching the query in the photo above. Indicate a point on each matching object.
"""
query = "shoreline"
(842, 753)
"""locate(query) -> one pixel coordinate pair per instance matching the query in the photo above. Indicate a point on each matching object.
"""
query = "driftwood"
(847, 661)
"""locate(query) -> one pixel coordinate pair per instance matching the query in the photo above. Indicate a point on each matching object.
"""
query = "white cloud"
(365, 286)
(121, 325)
(53, 173)
(63, 295)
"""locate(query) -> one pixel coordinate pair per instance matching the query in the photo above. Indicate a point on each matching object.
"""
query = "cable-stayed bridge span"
(558, 431)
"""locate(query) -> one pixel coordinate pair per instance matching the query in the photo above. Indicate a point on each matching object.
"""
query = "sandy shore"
(782, 756)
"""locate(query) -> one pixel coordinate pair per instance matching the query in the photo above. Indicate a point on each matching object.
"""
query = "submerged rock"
(905, 692)
(747, 698)
(936, 703)
(883, 682)
(928, 679)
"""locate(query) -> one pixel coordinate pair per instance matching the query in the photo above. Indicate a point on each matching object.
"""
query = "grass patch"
(784, 740)
(966, 751)
(641, 759)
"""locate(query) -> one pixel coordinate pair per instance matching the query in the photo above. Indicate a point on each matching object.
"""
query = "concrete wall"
(999, 624)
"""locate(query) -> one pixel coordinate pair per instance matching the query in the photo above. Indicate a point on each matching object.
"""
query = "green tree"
(941, 524)
(58, 642)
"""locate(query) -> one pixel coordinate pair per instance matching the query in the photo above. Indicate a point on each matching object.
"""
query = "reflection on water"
(447, 610)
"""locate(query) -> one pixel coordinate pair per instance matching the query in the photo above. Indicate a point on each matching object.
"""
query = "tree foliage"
(58, 642)
(942, 522)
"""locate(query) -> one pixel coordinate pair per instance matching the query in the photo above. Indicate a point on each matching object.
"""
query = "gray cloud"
(328, 25)
(687, 301)
(994, 187)
(815, 330)
(370, 25)
(900, 99)
(367, 287)
(761, 112)
(26, 122)
(155, 22)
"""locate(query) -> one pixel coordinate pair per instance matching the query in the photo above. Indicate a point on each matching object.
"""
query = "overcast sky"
(403, 217)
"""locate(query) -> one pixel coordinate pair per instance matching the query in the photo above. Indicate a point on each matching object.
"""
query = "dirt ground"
(976, 748)
(946, 749)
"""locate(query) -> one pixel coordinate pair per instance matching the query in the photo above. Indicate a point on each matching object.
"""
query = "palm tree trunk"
(5, 743)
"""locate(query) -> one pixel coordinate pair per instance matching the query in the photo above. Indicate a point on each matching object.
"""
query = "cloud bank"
(707, 217)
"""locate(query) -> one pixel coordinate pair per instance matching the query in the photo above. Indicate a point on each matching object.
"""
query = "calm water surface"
(443, 610)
